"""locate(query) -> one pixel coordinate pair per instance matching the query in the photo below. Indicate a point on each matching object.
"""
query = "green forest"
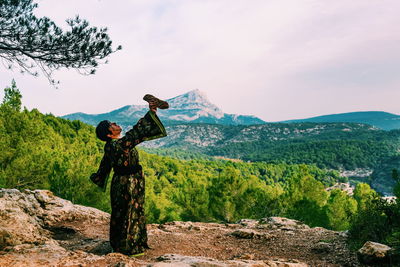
(41, 151)
(336, 145)
(335, 153)
(339, 146)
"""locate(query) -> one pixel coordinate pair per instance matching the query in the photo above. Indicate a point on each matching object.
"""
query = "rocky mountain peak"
(193, 96)
(195, 99)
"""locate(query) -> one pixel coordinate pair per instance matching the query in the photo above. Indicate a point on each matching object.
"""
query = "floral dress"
(128, 224)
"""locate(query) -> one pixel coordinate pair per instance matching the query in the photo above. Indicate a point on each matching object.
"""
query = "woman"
(128, 225)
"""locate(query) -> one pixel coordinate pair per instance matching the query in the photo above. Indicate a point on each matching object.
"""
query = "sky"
(274, 59)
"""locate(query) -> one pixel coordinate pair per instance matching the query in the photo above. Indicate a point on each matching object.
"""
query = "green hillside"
(328, 145)
(380, 119)
(381, 178)
(345, 152)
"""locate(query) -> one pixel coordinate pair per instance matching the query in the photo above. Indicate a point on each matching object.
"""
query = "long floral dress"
(128, 225)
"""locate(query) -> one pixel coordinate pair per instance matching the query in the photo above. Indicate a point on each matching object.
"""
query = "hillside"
(380, 119)
(328, 145)
(63, 234)
(381, 178)
(207, 135)
(346, 147)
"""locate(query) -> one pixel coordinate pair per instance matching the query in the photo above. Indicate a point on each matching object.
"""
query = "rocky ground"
(39, 229)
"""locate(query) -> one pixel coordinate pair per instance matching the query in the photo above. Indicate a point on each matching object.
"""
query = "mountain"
(383, 120)
(192, 107)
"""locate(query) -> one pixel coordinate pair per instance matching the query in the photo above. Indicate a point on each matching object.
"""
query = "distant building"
(390, 199)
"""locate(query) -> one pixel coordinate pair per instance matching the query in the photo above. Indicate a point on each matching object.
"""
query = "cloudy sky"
(274, 59)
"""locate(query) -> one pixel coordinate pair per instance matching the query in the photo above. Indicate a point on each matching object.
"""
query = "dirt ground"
(216, 241)
(82, 244)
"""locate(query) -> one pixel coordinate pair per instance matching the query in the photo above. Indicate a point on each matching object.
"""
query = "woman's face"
(115, 130)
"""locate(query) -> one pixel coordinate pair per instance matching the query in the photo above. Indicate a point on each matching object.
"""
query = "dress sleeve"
(147, 128)
(101, 176)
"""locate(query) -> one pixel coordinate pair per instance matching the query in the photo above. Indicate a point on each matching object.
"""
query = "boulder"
(374, 253)
(283, 223)
(40, 218)
(39, 229)
(248, 234)
(20, 219)
(248, 223)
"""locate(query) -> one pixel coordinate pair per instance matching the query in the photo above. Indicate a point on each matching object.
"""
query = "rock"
(322, 247)
(248, 222)
(29, 217)
(248, 234)
(41, 224)
(46, 198)
(180, 224)
(345, 187)
(195, 227)
(289, 232)
(6, 239)
(176, 225)
(20, 219)
(186, 261)
(374, 253)
(247, 256)
(283, 223)
(164, 228)
(172, 260)
(343, 233)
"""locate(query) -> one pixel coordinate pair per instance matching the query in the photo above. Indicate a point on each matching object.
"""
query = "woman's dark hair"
(102, 130)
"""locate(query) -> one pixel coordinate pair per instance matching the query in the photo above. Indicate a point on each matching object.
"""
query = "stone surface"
(374, 253)
(40, 229)
(283, 223)
(190, 261)
(248, 233)
(322, 247)
(248, 222)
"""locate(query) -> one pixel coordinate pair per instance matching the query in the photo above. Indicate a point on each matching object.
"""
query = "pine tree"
(33, 43)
